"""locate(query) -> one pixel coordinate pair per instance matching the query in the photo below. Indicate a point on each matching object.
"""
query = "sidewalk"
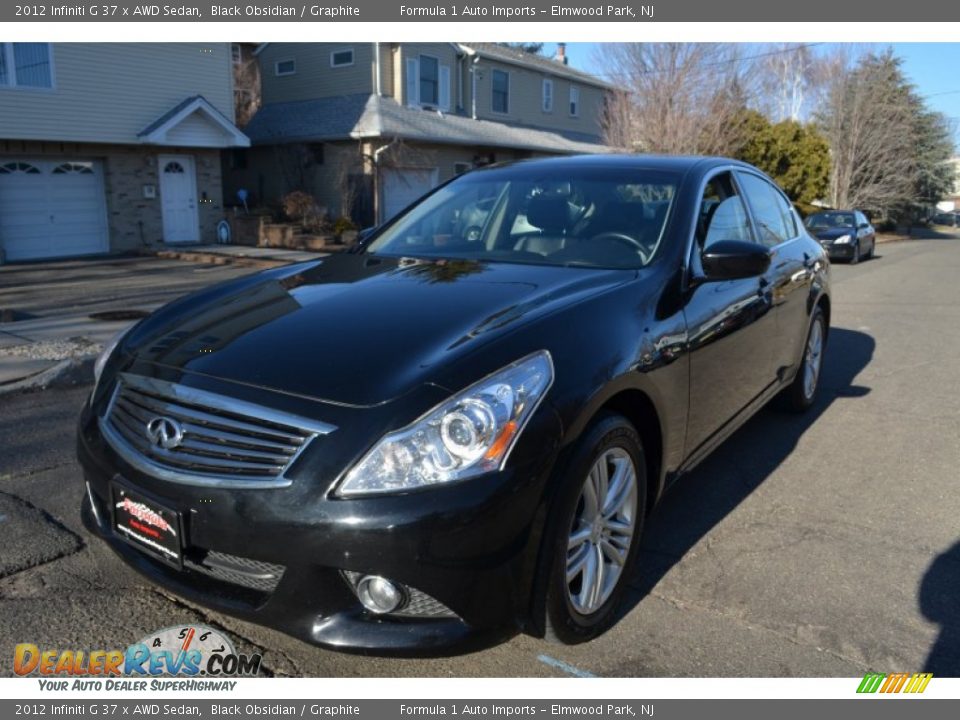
(239, 254)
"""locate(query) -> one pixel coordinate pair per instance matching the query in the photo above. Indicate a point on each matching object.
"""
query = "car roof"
(672, 163)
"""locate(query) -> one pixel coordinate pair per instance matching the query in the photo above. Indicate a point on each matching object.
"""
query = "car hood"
(356, 330)
(832, 233)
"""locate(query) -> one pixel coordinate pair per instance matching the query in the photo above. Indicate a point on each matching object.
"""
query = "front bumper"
(842, 251)
(472, 547)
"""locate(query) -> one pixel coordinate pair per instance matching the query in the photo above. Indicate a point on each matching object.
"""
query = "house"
(110, 147)
(366, 128)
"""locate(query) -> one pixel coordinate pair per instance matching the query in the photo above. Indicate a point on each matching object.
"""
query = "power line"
(731, 61)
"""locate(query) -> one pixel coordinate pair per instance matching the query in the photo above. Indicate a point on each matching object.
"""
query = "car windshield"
(582, 216)
(831, 220)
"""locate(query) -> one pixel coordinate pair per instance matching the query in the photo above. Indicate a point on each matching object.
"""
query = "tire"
(578, 610)
(800, 394)
(855, 258)
(873, 246)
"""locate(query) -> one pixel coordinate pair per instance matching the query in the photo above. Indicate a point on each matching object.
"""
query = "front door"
(731, 328)
(178, 198)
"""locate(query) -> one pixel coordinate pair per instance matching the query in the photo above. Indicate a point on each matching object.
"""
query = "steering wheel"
(626, 240)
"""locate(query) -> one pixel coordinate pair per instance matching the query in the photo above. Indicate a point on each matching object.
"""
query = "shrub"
(298, 206)
(342, 225)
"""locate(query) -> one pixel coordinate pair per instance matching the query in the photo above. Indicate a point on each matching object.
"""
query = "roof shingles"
(370, 116)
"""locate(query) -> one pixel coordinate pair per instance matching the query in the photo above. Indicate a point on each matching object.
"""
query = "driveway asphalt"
(826, 544)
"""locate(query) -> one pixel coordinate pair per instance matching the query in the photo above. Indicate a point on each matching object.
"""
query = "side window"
(772, 212)
(722, 213)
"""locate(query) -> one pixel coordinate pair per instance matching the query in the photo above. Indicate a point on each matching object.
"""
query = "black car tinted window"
(586, 217)
(722, 213)
(772, 213)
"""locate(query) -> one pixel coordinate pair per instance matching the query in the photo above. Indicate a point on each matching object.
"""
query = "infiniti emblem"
(164, 432)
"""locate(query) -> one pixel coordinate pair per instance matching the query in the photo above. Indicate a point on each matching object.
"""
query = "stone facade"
(136, 221)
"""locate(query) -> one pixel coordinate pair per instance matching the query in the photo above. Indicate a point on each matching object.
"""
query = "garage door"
(402, 186)
(51, 208)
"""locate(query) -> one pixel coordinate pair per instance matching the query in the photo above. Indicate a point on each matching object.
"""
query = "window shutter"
(444, 94)
(548, 95)
(574, 101)
(413, 82)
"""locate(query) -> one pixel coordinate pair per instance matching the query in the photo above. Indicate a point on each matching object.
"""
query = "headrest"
(550, 213)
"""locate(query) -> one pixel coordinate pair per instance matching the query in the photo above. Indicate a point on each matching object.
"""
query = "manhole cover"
(112, 315)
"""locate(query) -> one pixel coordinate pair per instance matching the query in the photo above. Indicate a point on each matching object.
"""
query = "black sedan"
(455, 432)
(844, 234)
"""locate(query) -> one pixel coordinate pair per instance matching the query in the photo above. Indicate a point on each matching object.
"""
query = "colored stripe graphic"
(894, 683)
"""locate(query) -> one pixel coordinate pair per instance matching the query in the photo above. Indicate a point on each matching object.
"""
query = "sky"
(932, 67)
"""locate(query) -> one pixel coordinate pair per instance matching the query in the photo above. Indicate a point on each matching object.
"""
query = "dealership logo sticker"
(180, 651)
(894, 683)
(145, 514)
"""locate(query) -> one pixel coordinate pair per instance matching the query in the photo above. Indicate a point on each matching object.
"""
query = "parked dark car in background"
(844, 234)
(455, 432)
(947, 219)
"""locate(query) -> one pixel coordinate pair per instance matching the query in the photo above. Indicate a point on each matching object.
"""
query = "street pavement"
(51, 308)
(826, 544)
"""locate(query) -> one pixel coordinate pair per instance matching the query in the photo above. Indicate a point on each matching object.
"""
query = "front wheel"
(801, 393)
(595, 531)
(855, 257)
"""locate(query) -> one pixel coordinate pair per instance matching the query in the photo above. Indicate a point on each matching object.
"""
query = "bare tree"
(790, 74)
(246, 86)
(869, 119)
(675, 97)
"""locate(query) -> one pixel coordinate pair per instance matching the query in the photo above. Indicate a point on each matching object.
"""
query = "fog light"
(378, 594)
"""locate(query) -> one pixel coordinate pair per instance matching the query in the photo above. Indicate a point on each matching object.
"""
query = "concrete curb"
(214, 259)
(68, 373)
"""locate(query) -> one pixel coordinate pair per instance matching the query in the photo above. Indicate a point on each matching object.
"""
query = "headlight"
(469, 434)
(108, 349)
(842, 240)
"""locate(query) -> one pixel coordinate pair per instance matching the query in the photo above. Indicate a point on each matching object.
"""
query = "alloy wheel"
(602, 531)
(812, 358)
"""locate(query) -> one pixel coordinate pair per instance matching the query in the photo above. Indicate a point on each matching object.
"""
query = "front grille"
(253, 574)
(197, 437)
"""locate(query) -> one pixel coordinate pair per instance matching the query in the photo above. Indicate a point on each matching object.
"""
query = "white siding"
(108, 92)
(197, 131)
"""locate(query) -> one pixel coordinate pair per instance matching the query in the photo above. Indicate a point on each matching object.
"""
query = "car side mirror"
(734, 259)
(863, 226)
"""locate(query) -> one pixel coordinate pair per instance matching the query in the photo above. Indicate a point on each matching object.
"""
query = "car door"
(731, 331)
(791, 272)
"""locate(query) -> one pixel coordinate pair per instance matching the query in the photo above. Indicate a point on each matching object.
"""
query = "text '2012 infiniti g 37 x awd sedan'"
(455, 432)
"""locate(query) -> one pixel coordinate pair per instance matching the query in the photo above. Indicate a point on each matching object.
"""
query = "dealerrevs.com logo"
(183, 651)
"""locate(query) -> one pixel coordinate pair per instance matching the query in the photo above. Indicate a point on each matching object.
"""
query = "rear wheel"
(595, 531)
(801, 393)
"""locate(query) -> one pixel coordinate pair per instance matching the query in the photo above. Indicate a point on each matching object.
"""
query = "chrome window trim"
(140, 462)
